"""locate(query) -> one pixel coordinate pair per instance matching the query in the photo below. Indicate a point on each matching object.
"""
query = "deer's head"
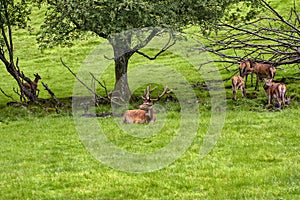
(146, 106)
(145, 113)
(268, 83)
(37, 76)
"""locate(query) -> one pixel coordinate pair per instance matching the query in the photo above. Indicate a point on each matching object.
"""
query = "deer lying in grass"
(261, 70)
(276, 90)
(34, 85)
(145, 113)
(238, 83)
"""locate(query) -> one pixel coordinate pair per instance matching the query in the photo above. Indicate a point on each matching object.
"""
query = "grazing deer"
(245, 69)
(262, 70)
(34, 85)
(238, 83)
(145, 113)
(276, 90)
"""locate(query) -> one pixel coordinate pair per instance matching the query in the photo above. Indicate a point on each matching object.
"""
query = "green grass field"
(257, 155)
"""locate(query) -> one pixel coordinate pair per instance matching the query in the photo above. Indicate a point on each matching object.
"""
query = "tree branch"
(7, 95)
(51, 94)
(271, 40)
(166, 47)
(281, 18)
(102, 85)
(98, 97)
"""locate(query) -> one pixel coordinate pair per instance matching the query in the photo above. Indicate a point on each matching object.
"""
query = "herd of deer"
(262, 71)
(145, 113)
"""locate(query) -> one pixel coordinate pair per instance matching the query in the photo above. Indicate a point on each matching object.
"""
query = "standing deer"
(262, 70)
(246, 69)
(34, 85)
(145, 113)
(238, 83)
(276, 90)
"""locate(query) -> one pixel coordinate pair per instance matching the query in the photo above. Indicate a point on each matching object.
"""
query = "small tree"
(69, 19)
(14, 15)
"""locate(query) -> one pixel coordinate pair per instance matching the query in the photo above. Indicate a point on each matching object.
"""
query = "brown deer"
(262, 70)
(276, 90)
(145, 113)
(34, 84)
(246, 69)
(238, 83)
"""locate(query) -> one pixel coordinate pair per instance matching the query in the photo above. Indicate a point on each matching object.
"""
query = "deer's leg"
(279, 102)
(283, 98)
(257, 80)
(280, 98)
(243, 89)
(269, 98)
(234, 93)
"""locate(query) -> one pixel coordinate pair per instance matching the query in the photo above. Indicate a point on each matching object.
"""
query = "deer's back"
(134, 116)
(265, 70)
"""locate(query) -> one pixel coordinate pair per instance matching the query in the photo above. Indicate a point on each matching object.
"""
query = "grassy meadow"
(43, 156)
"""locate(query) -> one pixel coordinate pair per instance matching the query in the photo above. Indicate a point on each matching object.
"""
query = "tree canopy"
(67, 19)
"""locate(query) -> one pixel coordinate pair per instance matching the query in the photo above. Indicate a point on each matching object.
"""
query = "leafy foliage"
(14, 13)
(68, 19)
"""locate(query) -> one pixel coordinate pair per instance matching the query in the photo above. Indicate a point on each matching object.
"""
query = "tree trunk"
(122, 54)
(121, 85)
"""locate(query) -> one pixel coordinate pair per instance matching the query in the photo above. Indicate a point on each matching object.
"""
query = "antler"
(147, 93)
(162, 94)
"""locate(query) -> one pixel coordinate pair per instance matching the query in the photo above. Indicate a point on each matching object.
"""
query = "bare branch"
(142, 44)
(20, 95)
(280, 17)
(273, 40)
(51, 94)
(168, 45)
(98, 97)
(7, 95)
(69, 69)
(102, 85)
